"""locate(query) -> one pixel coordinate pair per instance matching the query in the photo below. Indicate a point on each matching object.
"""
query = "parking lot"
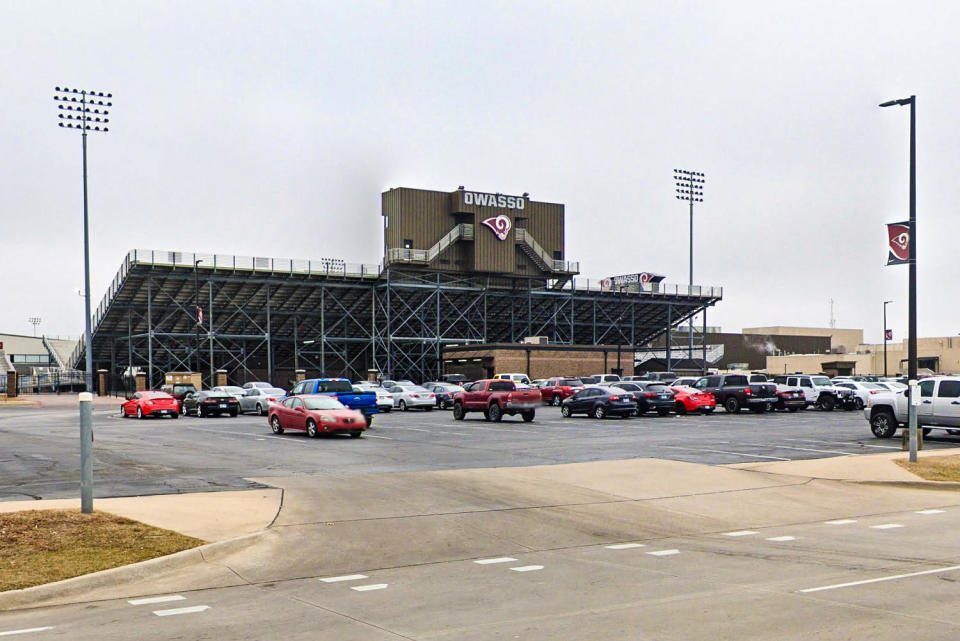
(39, 448)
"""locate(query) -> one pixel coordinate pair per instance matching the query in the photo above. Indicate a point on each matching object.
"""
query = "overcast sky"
(271, 128)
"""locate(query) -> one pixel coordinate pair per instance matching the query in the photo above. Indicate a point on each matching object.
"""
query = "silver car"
(410, 396)
(259, 399)
(232, 390)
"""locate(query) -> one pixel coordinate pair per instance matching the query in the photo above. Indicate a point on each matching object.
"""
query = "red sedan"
(144, 404)
(316, 414)
(690, 399)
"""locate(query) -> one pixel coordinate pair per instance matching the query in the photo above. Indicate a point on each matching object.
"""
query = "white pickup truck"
(939, 407)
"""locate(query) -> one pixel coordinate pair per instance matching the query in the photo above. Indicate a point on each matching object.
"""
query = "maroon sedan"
(144, 404)
(316, 414)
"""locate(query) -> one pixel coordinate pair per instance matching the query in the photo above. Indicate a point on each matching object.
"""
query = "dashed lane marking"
(625, 546)
(10, 633)
(782, 539)
(879, 579)
(743, 454)
(175, 611)
(930, 512)
(386, 438)
(157, 599)
(810, 449)
(367, 588)
(527, 568)
(345, 577)
(499, 559)
(664, 553)
(741, 533)
(841, 522)
(886, 526)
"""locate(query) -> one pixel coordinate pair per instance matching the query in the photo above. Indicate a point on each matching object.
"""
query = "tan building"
(934, 355)
(848, 339)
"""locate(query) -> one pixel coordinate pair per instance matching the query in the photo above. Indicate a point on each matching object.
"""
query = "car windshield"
(334, 386)
(155, 395)
(413, 388)
(572, 382)
(274, 391)
(232, 390)
(213, 394)
(658, 388)
(821, 381)
(324, 403)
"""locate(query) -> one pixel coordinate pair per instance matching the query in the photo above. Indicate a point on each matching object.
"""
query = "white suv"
(939, 407)
(818, 390)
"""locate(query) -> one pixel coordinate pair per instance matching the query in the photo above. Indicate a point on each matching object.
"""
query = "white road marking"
(930, 512)
(741, 533)
(10, 633)
(859, 444)
(780, 539)
(625, 546)
(367, 588)
(499, 559)
(841, 522)
(810, 449)
(176, 611)
(664, 552)
(157, 599)
(880, 579)
(697, 449)
(345, 577)
(386, 438)
(886, 526)
(527, 568)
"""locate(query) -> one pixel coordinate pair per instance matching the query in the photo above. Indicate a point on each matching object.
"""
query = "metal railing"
(661, 289)
(546, 259)
(461, 231)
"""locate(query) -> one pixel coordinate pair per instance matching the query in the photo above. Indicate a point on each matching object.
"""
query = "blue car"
(342, 390)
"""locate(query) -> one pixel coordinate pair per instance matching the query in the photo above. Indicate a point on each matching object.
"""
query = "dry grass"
(41, 546)
(934, 468)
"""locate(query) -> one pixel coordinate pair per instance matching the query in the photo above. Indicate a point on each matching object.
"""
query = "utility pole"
(690, 188)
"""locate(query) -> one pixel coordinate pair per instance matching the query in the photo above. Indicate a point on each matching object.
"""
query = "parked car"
(384, 397)
(179, 391)
(603, 379)
(655, 396)
(684, 381)
(939, 407)
(444, 393)
(261, 384)
(233, 390)
(342, 390)
(259, 399)
(555, 390)
(457, 379)
(495, 398)
(599, 402)
(862, 391)
(734, 391)
(790, 399)
(590, 380)
(150, 403)
(210, 403)
(522, 380)
(316, 415)
(818, 391)
(688, 399)
(409, 396)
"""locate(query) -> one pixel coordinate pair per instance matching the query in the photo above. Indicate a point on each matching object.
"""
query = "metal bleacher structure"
(265, 318)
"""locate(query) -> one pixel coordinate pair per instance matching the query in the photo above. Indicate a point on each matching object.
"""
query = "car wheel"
(140, 412)
(312, 428)
(123, 412)
(234, 413)
(275, 425)
(386, 410)
(827, 403)
(496, 414)
(883, 424)
(458, 412)
(528, 415)
(368, 418)
(565, 411)
(403, 405)
(199, 411)
(556, 400)
(663, 411)
(259, 409)
(680, 408)
(356, 433)
(599, 411)
(731, 405)
(858, 403)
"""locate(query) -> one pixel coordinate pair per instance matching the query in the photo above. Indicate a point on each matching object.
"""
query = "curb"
(916, 485)
(80, 585)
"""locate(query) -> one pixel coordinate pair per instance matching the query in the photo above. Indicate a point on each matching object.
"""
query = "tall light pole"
(35, 320)
(912, 287)
(690, 188)
(87, 111)
(885, 303)
(199, 315)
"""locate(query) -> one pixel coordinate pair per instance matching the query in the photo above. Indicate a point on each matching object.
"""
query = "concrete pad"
(864, 467)
(209, 516)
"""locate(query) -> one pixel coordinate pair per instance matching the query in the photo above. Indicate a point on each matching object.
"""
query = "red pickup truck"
(495, 398)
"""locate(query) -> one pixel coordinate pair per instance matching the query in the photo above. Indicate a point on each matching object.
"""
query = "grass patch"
(934, 468)
(41, 546)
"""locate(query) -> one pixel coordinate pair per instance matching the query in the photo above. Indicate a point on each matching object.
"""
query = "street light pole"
(885, 303)
(690, 188)
(196, 311)
(87, 111)
(912, 287)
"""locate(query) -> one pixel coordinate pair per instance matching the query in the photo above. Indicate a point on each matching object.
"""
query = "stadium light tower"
(35, 320)
(690, 188)
(84, 110)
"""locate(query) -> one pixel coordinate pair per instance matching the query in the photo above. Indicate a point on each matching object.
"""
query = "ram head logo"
(500, 226)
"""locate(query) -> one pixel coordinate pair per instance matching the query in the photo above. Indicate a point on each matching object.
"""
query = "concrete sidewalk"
(862, 467)
(59, 401)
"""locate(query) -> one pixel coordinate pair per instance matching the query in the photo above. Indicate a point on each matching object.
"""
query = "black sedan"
(210, 403)
(598, 402)
(654, 396)
(444, 392)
